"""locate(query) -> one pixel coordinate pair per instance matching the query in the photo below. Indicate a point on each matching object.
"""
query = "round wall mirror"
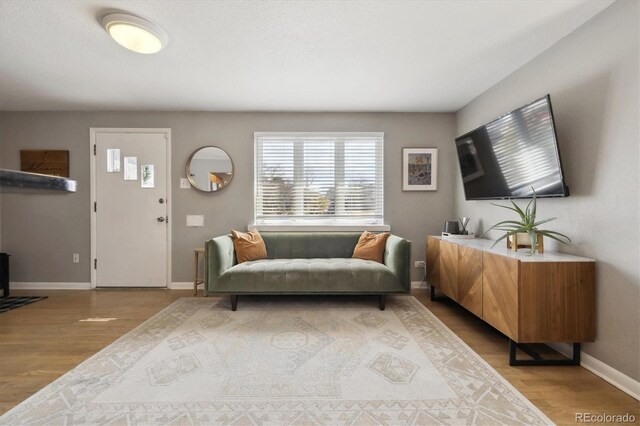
(209, 169)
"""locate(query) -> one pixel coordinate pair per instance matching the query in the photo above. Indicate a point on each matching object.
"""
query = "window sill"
(319, 228)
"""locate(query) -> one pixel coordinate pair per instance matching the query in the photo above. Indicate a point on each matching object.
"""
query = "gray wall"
(592, 76)
(42, 231)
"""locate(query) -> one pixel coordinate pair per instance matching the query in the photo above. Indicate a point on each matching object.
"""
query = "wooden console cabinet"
(543, 298)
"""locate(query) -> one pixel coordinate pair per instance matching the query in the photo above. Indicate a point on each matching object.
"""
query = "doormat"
(9, 303)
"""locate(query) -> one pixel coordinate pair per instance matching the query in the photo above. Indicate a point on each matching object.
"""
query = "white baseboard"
(319, 228)
(418, 284)
(48, 286)
(185, 285)
(602, 370)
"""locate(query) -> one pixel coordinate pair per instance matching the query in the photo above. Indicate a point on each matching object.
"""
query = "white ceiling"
(275, 55)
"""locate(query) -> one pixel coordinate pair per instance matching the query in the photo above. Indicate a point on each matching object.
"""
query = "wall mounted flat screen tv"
(512, 154)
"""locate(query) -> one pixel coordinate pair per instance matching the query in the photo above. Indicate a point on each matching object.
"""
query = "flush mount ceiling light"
(135, 33)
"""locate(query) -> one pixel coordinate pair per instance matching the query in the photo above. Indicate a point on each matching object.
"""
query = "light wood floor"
(42, 341)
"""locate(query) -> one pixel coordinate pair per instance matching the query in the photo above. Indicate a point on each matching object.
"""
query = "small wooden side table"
(196, 279)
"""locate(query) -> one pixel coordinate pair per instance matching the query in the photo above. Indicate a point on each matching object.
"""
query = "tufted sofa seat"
(307, 263)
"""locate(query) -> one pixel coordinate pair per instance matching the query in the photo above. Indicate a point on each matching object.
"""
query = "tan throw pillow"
(371, 246)
(248, 246)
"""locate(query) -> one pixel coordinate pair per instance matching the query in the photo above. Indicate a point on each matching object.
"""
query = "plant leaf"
(544, 221)
(517, 209)
(552, 234)
(510, 208)
(534, 239)
(500, 224)
(534, 208)
(527, 224)
(511, 228)
(527, 211)
(508, 234)
(510, 222)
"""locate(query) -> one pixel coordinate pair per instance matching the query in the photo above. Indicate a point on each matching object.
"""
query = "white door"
(131, 208)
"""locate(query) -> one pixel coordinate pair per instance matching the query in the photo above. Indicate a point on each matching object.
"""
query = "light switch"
(195, 220)
(184, 183)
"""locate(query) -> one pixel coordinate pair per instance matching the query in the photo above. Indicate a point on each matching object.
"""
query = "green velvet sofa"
(307, 263)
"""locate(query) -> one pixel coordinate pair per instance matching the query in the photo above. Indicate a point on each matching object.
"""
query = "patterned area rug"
(283, 361)
(12, 302)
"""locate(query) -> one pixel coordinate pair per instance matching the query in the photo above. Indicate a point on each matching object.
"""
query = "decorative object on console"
(451, 227)
(464, 222)
(526, 225)
(419, 169)
(467, 236)
(522, 240)
(248, 246)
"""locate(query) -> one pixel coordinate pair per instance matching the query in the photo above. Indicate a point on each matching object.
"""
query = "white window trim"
(331, 225)
(319, 228)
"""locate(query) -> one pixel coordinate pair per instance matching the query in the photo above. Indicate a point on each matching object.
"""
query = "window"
(318, 179)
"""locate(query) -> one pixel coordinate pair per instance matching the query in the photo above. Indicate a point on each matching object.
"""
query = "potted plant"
(527, 225)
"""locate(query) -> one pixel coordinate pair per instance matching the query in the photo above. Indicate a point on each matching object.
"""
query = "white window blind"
(318, 178)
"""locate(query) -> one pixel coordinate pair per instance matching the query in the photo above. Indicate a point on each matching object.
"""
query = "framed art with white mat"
(419, 169)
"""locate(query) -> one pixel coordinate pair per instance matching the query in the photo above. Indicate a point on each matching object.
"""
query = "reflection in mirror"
(209, 169)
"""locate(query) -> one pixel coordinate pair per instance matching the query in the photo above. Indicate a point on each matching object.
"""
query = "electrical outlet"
(76, 258)
(420, 264)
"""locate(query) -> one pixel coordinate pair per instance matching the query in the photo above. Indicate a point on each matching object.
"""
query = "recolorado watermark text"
(605, 418)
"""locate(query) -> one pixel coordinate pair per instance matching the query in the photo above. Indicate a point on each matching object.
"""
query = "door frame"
(93, 131)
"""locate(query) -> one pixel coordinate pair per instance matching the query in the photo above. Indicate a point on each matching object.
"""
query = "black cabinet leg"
(433, 296)
(537, 359)
(383, 301)
(234, 302)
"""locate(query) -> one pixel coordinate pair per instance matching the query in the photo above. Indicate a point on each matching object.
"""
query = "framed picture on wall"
(419, 169)
(45, 162)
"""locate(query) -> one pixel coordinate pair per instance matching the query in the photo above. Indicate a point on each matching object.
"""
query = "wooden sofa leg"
(383, 301)
(234, 302)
